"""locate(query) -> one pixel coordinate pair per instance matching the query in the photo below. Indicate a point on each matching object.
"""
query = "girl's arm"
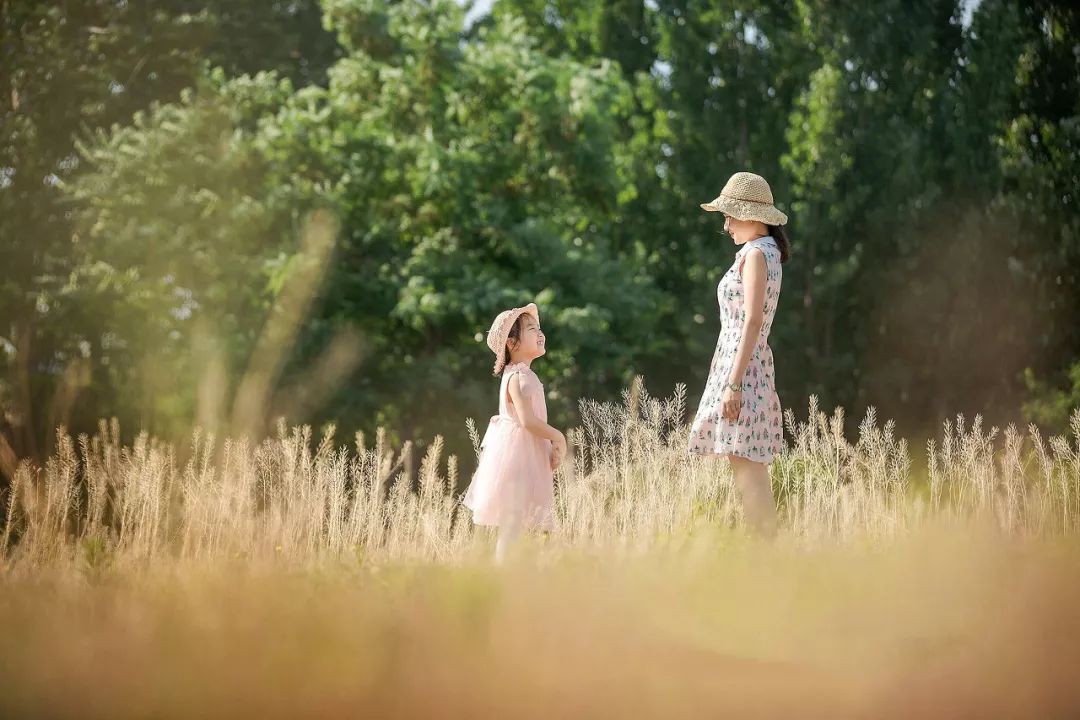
(528, 420)
(754, 270)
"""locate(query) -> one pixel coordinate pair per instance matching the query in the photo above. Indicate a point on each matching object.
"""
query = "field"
(301, 577)
(218, 213)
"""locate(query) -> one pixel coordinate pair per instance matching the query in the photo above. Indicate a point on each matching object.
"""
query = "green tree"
(183, 242)
(924, 291)
(67, 69)
(1052, 407)
(466, 177)
(554, 152)
(620, 30)
(909, 147)
(470, 177)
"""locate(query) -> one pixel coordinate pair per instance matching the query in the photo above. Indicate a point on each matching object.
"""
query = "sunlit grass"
(300, 577)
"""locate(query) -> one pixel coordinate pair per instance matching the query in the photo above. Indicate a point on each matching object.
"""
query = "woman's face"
(743, 231)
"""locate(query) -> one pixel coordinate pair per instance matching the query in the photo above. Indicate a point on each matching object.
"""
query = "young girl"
(513, 488)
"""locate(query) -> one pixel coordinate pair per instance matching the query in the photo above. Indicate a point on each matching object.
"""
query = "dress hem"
(728, 453)
(546, 525)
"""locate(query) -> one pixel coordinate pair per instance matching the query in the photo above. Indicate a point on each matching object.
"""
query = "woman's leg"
(752, 480)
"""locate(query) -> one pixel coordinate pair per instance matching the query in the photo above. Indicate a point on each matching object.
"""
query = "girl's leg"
(752, 480)
(508, 533)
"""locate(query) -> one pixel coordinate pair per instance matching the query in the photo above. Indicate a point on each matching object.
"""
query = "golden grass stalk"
(629, 486)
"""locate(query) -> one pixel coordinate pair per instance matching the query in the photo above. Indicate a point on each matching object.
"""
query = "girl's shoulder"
(527, 376)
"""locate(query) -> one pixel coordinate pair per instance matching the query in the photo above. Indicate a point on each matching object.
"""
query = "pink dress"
(758, 434)
(513, 482)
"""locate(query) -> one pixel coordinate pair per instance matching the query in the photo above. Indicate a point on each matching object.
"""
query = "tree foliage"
(162, 160)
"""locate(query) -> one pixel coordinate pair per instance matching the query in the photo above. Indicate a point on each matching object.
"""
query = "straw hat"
(500, 331)
(747, 196)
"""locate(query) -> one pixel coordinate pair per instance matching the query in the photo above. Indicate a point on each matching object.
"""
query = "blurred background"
(223, 212)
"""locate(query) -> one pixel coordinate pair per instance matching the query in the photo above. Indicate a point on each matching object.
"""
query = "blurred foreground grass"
(947, 622)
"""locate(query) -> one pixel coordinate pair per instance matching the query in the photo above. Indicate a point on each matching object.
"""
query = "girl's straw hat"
(747, 196)
(500, 331)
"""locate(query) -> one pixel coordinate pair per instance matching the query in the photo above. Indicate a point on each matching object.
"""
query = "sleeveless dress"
(758, 433)
(513, 481)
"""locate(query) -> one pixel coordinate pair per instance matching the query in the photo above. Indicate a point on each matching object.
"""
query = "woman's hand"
(731, 404)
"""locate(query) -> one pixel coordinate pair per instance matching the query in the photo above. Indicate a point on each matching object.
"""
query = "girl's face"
(529, 344)
(743, 231)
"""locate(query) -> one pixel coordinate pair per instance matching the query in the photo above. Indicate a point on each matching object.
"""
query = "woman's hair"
(515, 334)
(780, 236)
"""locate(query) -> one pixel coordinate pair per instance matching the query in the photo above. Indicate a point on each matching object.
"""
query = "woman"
(739, 416)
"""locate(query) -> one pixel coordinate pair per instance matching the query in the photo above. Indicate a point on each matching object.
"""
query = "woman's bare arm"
(754, 282)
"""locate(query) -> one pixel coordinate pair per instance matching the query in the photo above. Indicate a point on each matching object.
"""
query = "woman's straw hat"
(500, 331)
(747, 196)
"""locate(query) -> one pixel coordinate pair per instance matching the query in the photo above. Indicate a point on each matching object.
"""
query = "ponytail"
(780, 236)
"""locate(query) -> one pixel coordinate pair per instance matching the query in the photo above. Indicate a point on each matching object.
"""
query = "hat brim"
(746, 210)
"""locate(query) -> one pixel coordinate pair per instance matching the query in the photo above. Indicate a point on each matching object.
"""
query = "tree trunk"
(25, 438)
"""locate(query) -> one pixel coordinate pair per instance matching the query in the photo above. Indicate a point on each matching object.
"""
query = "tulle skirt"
(513, 482)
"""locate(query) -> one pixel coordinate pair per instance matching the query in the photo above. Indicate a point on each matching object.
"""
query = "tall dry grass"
(299, 577)
(629, 486)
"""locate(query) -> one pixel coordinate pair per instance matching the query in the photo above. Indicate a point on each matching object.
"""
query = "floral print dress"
(758, 433)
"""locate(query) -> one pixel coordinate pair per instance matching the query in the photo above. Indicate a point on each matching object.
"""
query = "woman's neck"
(759, 230)
(520, 361)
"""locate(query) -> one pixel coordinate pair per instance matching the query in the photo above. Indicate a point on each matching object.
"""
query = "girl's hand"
(558, 451)
(731, 404)
(556, 458)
